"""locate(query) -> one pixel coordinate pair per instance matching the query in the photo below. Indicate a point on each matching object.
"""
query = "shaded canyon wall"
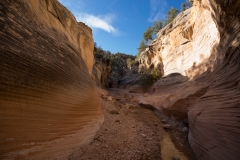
(199, 52)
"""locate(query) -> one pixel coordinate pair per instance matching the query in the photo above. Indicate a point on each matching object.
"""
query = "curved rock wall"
(204, 50)
(49, 103)
(214, 120)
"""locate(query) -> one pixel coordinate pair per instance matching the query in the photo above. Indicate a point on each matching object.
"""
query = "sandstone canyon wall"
(49, 103)
(101, 71)
(200, 59)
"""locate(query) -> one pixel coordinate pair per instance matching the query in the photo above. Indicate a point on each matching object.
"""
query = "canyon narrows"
(51, 104)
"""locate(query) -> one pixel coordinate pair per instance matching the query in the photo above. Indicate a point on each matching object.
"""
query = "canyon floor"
(130, 131)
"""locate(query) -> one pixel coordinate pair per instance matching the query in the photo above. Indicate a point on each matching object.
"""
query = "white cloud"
(100, 22)
(157, 9)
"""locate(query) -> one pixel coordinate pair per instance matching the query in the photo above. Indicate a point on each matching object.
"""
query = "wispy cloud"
(157, 10)
(103, 22)
(135, 8)
(112, 4)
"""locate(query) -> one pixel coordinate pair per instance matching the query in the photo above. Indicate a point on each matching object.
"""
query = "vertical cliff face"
(199, 51)
(184, 44)
(49, 103)
(101, 71)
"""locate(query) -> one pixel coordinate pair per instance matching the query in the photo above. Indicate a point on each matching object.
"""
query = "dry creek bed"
(131, 132)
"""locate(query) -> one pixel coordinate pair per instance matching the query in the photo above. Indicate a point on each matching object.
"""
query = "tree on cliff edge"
(157, 25)
(171, 14)
(141, 48)
(147, 35)
(185, 5)
(191, 1)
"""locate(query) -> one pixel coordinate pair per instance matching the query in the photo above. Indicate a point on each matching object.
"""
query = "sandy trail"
(133, 132)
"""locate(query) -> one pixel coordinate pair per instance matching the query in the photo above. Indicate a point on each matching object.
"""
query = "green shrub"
(148, 77)
(142, 47)
(156, 74)
(147, 35)
(146, 80)
(130, 62)
(171, 14)
(102, 55)
(187, 4)
(118, 62)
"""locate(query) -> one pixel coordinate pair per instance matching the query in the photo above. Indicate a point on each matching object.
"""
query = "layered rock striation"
(218, 110)
(49, 103)
(199, 52)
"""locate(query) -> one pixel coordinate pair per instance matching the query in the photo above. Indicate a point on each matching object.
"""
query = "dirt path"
(132, 132)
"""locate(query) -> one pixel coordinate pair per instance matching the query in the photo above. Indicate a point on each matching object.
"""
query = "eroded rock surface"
(101, 71)
(200, 56)
(49, 104)
(217, 111)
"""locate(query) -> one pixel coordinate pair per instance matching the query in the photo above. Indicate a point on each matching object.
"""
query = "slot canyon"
(59, 99)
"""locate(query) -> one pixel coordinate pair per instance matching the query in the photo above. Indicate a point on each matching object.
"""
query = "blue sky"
(118, 25)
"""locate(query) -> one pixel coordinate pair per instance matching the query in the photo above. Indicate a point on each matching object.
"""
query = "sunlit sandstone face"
(49, 104)
(200, 56)
(185, 43)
